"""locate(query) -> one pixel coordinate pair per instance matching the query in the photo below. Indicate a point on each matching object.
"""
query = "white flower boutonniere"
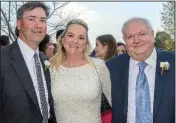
(164, 66)
(47, 64)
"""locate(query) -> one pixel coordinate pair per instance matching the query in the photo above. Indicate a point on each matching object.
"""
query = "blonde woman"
(77, 80)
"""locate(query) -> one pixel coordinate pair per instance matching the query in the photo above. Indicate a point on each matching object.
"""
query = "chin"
(140, 50)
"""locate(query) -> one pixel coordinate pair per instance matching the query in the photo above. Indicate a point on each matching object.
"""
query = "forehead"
(136, 26)
(121, 47)
(77, 29)
(37, 12)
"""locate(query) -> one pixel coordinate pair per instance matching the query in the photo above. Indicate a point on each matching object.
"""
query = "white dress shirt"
(133, 72)
(28, 54)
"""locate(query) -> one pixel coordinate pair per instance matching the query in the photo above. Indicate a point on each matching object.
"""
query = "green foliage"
(164, 41)
(167, 17)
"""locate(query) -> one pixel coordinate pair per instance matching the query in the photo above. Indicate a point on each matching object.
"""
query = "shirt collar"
(27, 51)
(151, 61)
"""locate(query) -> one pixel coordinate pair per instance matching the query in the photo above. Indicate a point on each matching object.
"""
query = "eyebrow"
(35, 17)
(69, 33)
(73, 34)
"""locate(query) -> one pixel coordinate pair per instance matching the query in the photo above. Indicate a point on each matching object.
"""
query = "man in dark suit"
(25, 91)
(143, 82)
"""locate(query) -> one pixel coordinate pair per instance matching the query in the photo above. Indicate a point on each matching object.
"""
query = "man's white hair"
(144, 20)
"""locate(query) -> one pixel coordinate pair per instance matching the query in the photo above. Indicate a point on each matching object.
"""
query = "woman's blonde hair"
(60, 55)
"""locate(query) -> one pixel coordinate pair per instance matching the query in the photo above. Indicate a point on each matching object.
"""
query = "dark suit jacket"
(164, 94)
(18, 100)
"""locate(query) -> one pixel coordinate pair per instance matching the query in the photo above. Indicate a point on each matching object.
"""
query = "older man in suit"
(25, 91)
(143, 82)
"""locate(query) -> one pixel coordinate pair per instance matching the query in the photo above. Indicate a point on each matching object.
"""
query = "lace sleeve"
(104, 76)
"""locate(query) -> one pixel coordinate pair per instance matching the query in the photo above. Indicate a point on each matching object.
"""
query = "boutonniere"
(164, 66)
(47, 64)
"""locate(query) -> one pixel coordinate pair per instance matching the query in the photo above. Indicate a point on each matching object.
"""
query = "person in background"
(58, 36)
(92, 54)
(4, 40)
(25, 91)
(121, 48)
(105, 47)
(77, 80)
(143, 80)
(59, 33)
(55, 48)
(46, 46)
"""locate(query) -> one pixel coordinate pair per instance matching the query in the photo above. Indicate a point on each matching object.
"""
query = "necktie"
(41, 89)
(143, 103)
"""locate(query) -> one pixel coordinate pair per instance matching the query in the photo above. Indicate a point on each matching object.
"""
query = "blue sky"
(108, 17)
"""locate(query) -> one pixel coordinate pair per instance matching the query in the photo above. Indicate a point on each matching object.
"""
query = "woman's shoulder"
(53, 71)
(97, 61)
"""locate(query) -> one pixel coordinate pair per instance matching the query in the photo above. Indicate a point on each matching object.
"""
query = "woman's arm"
(105, 81)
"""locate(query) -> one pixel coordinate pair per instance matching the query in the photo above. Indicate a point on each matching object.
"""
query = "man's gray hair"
(144, 20)
(30, 6)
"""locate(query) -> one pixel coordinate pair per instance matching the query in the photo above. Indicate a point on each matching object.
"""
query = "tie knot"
(142, 66)
(35, 56)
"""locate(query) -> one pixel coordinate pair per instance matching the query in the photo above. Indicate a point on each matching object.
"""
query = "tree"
(56, 20)
(167, 17)
(164, 41)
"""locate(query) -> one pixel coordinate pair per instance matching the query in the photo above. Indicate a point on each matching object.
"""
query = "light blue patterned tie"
(143, 103)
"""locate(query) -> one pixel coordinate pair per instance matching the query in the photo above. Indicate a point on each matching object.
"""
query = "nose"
(136, 39)
(38, 23)
(75, 41)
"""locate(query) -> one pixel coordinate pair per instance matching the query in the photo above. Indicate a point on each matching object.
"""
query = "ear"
(153, 33)
(18, 23)
(106, 47)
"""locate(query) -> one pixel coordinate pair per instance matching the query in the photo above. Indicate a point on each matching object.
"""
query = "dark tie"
(41, 89)
(143, 102)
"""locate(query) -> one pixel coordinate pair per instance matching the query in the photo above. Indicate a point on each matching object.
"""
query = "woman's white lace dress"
(77, 92)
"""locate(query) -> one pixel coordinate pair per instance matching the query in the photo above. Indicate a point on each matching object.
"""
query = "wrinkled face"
(100, 50)
(121, 49)
(32, 26)
(49, 49)
(139, 40)
(75, 40)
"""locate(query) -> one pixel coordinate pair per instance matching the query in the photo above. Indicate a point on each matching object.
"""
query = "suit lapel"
(160, 81)
(23, 73)
(124, 75)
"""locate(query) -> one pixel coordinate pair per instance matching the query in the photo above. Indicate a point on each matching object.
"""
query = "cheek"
(150, 42)
(104, 51)
(45, 28)
(83, 44)
(65, 43)
(50, 48)
(129, 44)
